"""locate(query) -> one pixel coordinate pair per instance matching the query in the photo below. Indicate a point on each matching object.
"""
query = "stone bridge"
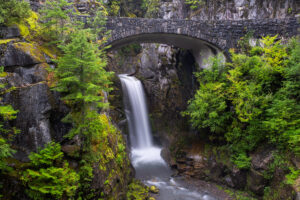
(198, 36)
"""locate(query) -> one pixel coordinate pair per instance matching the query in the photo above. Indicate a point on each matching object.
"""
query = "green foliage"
(50, 177)
(244, 44)
(47, 156)
(242, 161)
(151, 7)
(279, 162)
(195, 4)
(82, 79)
(13, 11)
(56, 20)
(207, 109)
(136, 191)
(114, 7)
(131, 49)
(251, 100)
(5, 152)
(292, 176)
(7, 113)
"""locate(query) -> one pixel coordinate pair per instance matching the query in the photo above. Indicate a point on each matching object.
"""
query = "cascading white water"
(136, 112)
(146, 159)
(143, 150)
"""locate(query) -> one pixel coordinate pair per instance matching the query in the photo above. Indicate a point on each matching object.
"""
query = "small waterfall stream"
(145, 156)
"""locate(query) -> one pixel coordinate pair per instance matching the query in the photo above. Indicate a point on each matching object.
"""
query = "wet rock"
(34, 108)
(261, 159)
(256, 182)
(153, 189)
(245, 9)
(229, 181)
(70, 150)
(216, 170)
(165, 154)
(35, 74)
(40, 110)
(239, 178)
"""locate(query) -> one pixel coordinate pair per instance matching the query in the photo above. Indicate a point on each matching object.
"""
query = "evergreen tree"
(13, 11)
(56, 20)
(82, 79)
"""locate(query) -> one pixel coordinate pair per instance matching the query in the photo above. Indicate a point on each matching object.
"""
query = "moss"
(24, 30)
(29, 28)
(31, 49)
(137, 191)
(50, 51)
(279, 191)
(7, 41)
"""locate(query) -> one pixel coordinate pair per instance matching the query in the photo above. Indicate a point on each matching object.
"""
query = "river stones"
(153, 189)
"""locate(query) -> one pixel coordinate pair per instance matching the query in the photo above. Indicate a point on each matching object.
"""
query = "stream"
(146, 158)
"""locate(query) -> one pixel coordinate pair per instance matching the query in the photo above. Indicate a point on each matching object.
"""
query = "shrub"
(13, 11)
(254, 99)
(50, 176)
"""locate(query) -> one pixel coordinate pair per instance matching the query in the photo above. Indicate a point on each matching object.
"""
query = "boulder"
(35, 74)
(153, 189)
(262, 158)
(21, 54)
(239, 178)
(256, 182)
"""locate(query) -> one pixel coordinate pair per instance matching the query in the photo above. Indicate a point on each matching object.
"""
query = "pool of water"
(151, 169)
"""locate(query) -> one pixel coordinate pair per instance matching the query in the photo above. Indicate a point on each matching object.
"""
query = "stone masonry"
(222, 34)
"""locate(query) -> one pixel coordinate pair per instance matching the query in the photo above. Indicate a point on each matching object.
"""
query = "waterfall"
(145, 157)
(136, 112)
(142, 148)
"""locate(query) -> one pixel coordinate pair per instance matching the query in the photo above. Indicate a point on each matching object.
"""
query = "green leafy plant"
(13, 11)
(50, 176)
(292, 176)
(251, 100)
(208, 108)
(82, 80)
(56, 21)
(194, 4)
(7, 113)
(151, 7)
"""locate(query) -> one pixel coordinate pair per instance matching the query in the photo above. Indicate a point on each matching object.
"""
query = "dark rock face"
(21, 54)
(167, 76)
(40, 110)
(256, 182)
(9, 32)
(37, 107)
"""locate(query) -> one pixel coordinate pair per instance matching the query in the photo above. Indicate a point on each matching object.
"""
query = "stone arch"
(199, 36)
(201, 49)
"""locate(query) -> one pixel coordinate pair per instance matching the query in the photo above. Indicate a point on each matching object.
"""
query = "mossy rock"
(31, 50)
(153, 189)
(6, 41)
(22, 54)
